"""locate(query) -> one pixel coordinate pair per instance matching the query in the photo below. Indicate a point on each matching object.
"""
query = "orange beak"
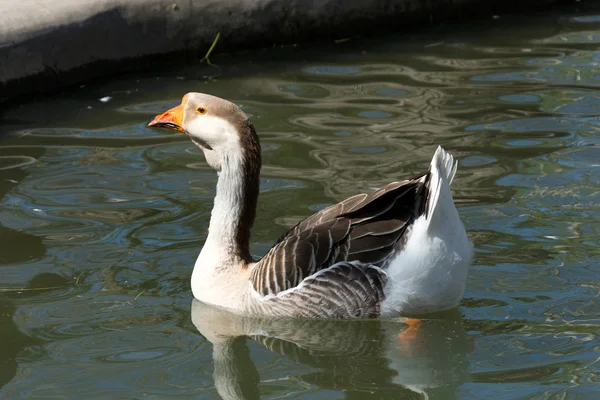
(171, 119)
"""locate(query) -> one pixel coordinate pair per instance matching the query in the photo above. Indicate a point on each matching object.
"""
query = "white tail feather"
(443, 169)
(430, 272)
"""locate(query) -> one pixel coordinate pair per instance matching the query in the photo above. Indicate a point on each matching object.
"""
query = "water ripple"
(120, 211)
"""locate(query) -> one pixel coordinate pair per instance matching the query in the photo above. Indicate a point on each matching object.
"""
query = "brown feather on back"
(368, 228)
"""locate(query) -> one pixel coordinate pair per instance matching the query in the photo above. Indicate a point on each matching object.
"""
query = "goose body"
(401, 249)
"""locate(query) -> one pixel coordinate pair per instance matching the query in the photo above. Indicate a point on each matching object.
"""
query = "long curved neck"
(234, 209)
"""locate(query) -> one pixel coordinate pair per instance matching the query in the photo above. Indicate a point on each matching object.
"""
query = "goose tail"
(442, 171)
(430, 273)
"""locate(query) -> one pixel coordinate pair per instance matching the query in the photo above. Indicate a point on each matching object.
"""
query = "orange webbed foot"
(409, 338)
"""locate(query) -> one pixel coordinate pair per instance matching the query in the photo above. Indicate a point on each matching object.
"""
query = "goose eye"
(201, 110)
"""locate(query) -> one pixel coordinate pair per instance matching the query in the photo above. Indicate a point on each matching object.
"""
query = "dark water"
(102, 219)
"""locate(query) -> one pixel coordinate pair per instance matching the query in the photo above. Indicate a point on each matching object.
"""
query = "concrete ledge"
(48, 44)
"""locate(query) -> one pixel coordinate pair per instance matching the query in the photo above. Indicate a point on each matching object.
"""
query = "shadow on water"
(365, 359)
(14, 342)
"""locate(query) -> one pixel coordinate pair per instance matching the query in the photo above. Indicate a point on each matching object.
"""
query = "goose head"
(217, 126)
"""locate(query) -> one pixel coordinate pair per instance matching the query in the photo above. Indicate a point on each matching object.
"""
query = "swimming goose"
(401, 249)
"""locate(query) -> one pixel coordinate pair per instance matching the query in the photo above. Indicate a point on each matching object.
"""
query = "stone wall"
(48, 44)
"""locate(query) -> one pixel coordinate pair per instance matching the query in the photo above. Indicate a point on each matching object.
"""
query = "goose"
(398, 250)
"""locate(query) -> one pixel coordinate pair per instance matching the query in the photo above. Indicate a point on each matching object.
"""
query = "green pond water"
(102, 219)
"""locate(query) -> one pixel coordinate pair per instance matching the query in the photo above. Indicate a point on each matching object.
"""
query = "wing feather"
(343, 290)
(377, 228)
(366, 228)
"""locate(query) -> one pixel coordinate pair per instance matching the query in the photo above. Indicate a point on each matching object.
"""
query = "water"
(102, 219)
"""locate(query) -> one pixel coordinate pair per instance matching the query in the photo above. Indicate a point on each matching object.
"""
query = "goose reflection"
(384, 359)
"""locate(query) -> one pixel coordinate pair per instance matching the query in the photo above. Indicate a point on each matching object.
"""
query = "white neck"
(219, 275)
(224, 259)
(221, 244)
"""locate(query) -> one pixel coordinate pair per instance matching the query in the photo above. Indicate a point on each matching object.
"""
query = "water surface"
(101, 219)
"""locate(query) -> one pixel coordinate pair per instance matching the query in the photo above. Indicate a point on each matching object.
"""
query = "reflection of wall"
(10, 160)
